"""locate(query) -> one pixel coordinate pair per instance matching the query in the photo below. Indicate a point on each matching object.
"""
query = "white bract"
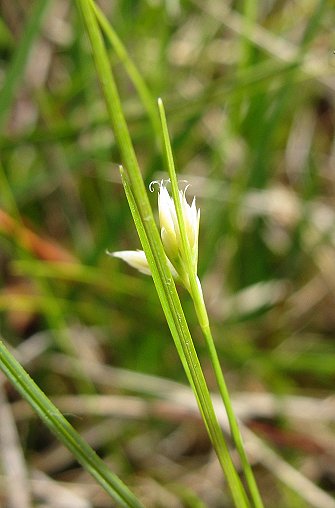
(135, 258)
(171, 237)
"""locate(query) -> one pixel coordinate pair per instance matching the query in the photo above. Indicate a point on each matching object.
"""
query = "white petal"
(164, 209)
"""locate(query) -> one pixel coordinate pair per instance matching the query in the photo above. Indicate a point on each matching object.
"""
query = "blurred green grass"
(249, 91)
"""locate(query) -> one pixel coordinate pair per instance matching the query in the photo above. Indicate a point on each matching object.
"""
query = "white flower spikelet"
(170, 231)
(171, 238)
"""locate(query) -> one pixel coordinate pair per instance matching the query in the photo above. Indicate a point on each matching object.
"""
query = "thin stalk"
(233, 423)
(201, 311)
(56, 422)
(156, 256)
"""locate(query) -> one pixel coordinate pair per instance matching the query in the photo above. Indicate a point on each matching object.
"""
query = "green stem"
(201, 311)
(156, 256)
(233, 424)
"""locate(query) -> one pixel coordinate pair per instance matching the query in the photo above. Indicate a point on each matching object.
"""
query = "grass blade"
(56, 422)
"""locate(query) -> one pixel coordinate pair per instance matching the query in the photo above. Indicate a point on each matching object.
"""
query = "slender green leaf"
(56, 422)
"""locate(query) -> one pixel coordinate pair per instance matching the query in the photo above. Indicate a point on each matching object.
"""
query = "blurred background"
(249, 89)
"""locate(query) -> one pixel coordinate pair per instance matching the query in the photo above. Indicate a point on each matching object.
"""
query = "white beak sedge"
(170, 234)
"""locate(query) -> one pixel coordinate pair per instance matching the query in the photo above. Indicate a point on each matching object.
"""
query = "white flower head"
(171, 237)
(170, 231)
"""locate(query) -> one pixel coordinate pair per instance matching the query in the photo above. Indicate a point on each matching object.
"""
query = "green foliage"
(249, 95)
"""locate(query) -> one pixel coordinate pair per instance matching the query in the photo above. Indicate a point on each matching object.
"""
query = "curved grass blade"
(59, 426)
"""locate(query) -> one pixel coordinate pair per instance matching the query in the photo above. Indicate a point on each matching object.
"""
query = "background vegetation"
(249, 92)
